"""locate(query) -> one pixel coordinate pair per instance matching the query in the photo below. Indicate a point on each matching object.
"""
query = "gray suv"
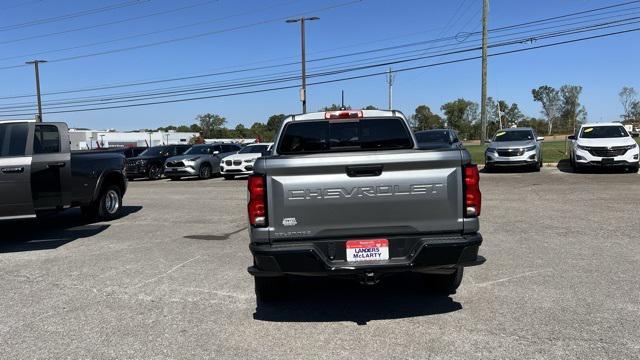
(200, 160)
(514, 147)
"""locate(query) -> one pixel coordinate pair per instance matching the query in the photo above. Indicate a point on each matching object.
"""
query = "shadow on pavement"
(507, 170)
(51, 231)
(565, 166)
(328, 300)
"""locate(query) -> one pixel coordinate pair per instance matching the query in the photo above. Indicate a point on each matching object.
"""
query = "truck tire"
(444, 283)
(205, 172)
(107, 206)
(269, 289)
(155, 172)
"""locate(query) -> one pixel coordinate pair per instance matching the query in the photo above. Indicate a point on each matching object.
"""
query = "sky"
(100, 43)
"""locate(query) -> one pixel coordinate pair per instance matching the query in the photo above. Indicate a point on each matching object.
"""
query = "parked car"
(605, 144)
(242, 162)
(438, 139)
(201, 160)
(128, 152)
(349, 194)
(38, 173)
(150, 163)
(514, 147)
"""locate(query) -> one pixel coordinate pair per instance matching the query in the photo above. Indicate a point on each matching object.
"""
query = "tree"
(424, 119)
(211, 124)
(635, 111)
(459, 114)
(195, 128)
(260, 131)
(335, 107)
(628, 99)
(571, 108)
(549, 98)
(512, 115)
(241, 131)
(275, 121)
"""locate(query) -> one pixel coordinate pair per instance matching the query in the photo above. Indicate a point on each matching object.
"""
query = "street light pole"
(35, 64)
(303, 90)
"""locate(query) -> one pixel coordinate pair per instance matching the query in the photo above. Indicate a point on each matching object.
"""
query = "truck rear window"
(331, 136)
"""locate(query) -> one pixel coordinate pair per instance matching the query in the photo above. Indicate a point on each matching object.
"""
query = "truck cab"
(37, 174)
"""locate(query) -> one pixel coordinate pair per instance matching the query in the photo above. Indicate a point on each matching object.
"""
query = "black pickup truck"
(38, 173)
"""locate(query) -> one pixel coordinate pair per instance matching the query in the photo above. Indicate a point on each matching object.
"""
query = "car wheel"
(205, 172)
(536, 166)
(155, 172)
(229, 177)
(107, 206)
(488, 168)
(131, 178)
(574, 166)
(634, 168)
(270, 289)
(444, 283)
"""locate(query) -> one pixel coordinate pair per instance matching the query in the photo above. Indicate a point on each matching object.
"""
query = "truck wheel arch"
(110, 178)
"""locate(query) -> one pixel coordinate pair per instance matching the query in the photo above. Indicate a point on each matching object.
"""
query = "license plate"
(607, 161)
(367, 250)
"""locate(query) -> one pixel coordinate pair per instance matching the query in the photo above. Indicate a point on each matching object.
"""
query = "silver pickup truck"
(349, 194)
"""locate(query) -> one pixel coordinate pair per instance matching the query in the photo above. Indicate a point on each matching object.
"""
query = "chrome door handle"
(55, 165)
(15, 170)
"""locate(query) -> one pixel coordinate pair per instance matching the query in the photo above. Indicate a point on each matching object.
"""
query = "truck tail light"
(343, 114)
(472, 195)
(257, 206)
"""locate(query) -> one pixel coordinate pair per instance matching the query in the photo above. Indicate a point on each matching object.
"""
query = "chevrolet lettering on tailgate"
(365, 191)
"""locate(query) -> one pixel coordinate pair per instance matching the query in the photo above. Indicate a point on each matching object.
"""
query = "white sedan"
(242, 162)
(604, 144)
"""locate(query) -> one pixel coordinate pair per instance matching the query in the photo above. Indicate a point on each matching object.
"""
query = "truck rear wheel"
(155, 172)
(444, 283)
(107, 206)
(270, 289)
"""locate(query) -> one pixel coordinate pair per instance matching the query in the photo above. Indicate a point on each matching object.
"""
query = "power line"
(189, 37)
(129, 37)
(71, 15)
(367, 52)
(254, 82)
(38, 36)
(342, 79)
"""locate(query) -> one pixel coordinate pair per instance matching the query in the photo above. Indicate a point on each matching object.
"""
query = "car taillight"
(472, 195)
(257, 206)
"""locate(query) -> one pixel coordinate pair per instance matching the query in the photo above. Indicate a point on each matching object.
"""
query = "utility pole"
(499, 115)
(483, 105)
(35, 64)
(303, 90)
(390, 77)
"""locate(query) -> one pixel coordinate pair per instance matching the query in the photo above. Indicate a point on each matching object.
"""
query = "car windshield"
(599, 132)
(155, 151)
(514, 135)
(254, 149)
(433, 136)
(198, 150)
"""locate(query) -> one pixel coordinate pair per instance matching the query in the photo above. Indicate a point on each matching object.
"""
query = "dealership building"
(93, 139)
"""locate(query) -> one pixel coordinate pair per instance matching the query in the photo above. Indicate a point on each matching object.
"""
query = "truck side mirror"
(487, 141)
(216, 152)
(571, 137)
(540, 138)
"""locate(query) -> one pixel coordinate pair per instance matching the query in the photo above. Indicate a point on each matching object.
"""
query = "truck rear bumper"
(327, 257)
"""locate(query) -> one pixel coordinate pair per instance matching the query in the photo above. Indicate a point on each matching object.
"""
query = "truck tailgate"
(364, 194)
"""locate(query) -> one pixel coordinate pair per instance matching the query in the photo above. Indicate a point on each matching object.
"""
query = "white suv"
(605, 144)
(242, 162)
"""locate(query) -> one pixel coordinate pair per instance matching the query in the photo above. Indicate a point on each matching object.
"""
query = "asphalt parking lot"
(169, 280)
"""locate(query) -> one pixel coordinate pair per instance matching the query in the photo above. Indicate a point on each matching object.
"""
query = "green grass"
(552, 151)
